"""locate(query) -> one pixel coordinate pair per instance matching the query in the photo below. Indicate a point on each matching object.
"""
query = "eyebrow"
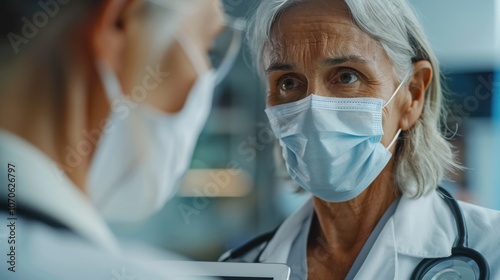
(279, 66)
(330, 61)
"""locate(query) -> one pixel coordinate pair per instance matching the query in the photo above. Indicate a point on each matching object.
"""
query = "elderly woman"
(354, 98)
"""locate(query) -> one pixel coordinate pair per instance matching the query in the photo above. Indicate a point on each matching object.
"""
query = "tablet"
(231, 271)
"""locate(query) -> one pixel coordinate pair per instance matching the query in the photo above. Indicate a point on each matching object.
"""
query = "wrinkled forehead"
(315, 29)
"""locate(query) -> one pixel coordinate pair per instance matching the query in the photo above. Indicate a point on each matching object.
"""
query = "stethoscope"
(464, 263)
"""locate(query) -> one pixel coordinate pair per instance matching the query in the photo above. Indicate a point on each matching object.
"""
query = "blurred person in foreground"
(101, 104)
(355, 99)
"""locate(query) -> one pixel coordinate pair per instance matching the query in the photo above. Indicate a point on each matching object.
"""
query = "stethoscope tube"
(463, 236)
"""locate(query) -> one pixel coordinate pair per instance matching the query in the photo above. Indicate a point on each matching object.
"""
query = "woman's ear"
(108, 38)
(419, 83)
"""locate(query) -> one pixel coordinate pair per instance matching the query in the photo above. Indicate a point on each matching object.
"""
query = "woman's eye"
(288, 87)
(347, 78)
(289, 84)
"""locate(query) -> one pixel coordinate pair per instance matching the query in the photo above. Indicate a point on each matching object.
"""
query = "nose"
(317, 86)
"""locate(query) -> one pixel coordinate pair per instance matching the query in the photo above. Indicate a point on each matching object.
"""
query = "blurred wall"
(462, 32)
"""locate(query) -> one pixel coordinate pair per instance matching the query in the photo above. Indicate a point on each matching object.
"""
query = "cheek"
(162, 80)
(174, 78)
(139, 54)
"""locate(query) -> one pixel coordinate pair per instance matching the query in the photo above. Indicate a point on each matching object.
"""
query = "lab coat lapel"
(45, 189)
(420, 228)
(424, 227)
(382, 260)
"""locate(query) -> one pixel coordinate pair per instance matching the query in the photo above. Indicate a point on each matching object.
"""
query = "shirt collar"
(423, 228)
(41, 186)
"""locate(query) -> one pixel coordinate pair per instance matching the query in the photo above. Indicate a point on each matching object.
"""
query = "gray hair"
(424, 157)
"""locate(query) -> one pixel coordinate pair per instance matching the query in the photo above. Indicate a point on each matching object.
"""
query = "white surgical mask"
(144, 152)
(331, 146)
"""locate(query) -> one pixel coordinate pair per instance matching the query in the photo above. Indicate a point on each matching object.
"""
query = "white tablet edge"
(214, 269)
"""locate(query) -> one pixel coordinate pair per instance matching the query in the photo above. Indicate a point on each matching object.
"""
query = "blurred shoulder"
(43, 252)
(483, 227)
(478, 217)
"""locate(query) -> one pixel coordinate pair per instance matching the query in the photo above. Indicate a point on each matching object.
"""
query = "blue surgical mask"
(331, 146)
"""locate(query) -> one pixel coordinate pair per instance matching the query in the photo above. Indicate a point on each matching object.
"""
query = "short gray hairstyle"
(424, 157)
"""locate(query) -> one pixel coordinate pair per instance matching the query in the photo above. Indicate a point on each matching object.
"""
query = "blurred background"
(235, 190)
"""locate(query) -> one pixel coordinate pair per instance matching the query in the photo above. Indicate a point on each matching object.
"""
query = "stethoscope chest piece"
(455, 267)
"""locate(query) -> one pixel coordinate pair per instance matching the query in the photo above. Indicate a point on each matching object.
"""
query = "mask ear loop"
(109, 81)
(193, 56)
(397, 90)
(394, 139)
(237, 26)
(389, 101)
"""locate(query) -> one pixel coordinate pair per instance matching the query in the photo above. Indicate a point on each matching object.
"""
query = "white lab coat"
(87, 251)
(421, 228)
